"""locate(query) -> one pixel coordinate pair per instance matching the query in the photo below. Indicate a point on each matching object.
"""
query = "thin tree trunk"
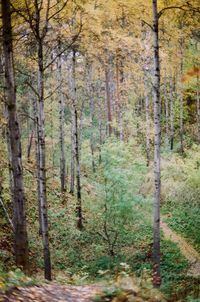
(166, 111)
(91, 98)
(118, 94)
(181, 101)
(61, 128)
(30, 145)
(108, 99)
(100, 122)
(76, 145)
(148, 149)
(156, 90)
(198, 107)
(19, 217)
(72, 165)
(37, 157)
(42, 164)
(171, 116)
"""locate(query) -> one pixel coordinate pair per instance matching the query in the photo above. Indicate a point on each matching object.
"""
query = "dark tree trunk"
(61, 126)
(19, 218)
(42, 164)
(30, 143)
(76, 146)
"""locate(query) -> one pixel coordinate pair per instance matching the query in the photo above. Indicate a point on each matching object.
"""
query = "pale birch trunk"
(19, 217)
(156, 90)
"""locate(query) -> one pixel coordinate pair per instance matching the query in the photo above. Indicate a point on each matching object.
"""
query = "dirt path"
(186, 249)
(52, 293)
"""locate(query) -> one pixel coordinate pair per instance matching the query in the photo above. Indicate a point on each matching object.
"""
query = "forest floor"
(186, 249)
(53, 293)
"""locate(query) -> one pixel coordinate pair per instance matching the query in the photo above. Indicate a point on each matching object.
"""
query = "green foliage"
(13, 279)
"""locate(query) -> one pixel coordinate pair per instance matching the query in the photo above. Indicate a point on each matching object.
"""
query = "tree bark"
(42, 164)
(166, 111)
(181, 100)
(198, 107)
(62, 130)
(30, 142)
(156, 90)
(148, 148)
(19, 217)
(171, 116)
(108, 99)
(76, 146)
(118, 94)
(91, 100)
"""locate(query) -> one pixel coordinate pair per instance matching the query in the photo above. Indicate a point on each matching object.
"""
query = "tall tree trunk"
(181, 100)
(91, 98)
(37, 157)
(148, 149)
(166, 111)
(76, 145)
(42, 164)
(108, 99)
(118, 94)
(72, 165)
(61, 128)
(19, 217)
(156, 90)
(198, 107)
(171, 115)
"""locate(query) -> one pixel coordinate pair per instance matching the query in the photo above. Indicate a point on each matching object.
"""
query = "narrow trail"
(186, 249)
(52, 293)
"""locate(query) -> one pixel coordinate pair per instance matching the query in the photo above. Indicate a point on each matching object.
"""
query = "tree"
(156, 92)
(19, 217)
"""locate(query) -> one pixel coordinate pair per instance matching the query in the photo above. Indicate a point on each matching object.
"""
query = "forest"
(100, 150)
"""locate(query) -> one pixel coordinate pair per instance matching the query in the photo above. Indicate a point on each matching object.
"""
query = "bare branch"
(6, 212)
(64, 50)
(161, 12)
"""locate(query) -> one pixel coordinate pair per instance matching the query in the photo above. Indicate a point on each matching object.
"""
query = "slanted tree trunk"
(171, 116)
(61, 129)
(198, 107)
(30, 143)
(156, 91)
(19, 217)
